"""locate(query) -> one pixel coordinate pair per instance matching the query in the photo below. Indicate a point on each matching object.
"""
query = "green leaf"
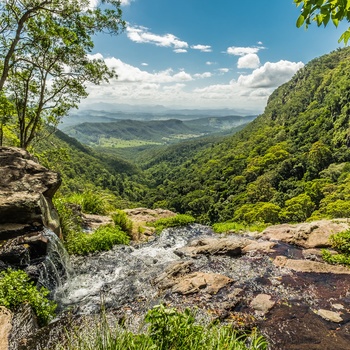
(300, 21)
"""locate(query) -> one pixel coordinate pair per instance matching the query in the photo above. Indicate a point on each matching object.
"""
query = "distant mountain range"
(111, 131)
(104, 113)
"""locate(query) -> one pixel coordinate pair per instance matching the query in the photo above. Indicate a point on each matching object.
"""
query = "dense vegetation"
(97, 178)
(16, 289)
(166, 329)
(290, 164)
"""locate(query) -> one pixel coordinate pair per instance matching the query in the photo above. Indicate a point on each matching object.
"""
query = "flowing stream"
(121, 275)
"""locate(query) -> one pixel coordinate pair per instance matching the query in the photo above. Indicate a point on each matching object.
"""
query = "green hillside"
(135, 133)
(289, 164)
(83, 169)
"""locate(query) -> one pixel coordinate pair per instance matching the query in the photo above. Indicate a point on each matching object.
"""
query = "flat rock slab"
(179, 279)
(308, 234)
(231, 246)
(331, 316)
(195, 282)
(310, 266)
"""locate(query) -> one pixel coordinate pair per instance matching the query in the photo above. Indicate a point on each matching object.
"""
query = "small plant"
(174, 221)
(341, 243)
(235, 227)
(166, 329)
(104, 238)
(17, 289)
(93, 202)
(69, 221)
(121, 219)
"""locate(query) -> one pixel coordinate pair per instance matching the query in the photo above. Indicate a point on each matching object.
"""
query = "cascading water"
(124, 273)
(56, 267)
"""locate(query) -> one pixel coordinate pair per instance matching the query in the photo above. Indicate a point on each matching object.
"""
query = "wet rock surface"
(295, 308)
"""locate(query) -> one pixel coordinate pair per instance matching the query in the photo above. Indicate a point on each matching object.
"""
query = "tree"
(322, 11)
(44, 54)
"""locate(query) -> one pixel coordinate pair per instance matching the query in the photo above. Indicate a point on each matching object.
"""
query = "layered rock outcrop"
(26, 191)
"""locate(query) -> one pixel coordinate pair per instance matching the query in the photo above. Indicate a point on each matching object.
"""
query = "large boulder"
(26, 191)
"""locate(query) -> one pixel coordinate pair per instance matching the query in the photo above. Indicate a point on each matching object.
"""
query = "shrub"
(17, 289)
(69, 221)
(174, 221)
(121, 219)
(235, 227)
(340, 242)
(93, 202)
(104, 238)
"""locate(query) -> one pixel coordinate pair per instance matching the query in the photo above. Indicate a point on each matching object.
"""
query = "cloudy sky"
(203, 54)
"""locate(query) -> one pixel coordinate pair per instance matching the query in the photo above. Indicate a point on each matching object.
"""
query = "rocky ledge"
(26, 191)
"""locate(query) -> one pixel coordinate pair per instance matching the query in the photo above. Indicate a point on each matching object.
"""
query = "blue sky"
(202, 54)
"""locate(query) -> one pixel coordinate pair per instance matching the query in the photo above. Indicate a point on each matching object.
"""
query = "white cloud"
(180, 50)
(270, 74)
(241, 51)
(141, 34)
(203, 48)
(180, 89)
(203, 75)
(144, 64)
(208, 63)
(125, 2)
(128, 73)
(251, 60)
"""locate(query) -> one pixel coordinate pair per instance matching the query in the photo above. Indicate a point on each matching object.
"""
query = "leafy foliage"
(341, 243)
(174, 221)
(167, 329)
(236, 227)
(322, 11)
(104, 238)
(17, 289)
(121, 220)
(44, 53)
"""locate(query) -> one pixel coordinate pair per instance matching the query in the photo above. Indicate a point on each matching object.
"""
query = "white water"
(124, 273)
(56, 268)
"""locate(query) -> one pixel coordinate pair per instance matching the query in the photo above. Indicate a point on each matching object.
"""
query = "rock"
(168, 278)
(259, 246)
(330, 315)
(231, 246)
(262, 303)
(209, 283)
(91, 222)
(310, 266)
(5, 327)
(308, 234)
(26, 191)
(141, 217)
(179, 278)
(24, 324)
(21, 250)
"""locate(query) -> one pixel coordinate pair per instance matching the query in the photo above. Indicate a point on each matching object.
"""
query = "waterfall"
(56, 268)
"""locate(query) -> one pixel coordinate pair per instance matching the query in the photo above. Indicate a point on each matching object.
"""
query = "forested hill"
(289, 164)
(108, 134)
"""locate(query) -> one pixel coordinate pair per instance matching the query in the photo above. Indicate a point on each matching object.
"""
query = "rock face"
(26, 191)
(308, 234)
(141, 217)
(5, 327)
